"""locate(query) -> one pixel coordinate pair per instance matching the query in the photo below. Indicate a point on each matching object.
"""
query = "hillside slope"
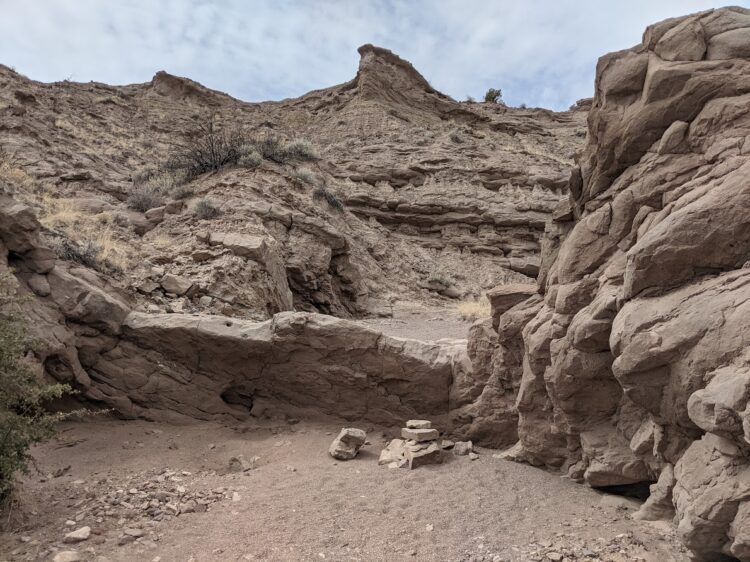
(440, 198)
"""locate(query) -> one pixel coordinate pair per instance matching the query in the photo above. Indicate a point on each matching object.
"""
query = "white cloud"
(540, 52)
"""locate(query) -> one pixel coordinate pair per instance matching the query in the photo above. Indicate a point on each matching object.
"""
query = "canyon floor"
(300, 504)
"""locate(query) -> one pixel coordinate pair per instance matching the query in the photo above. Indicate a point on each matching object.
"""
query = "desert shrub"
(87, 253)
(300, 150)
(493, 96)
(322, 194)
(181, 191)
(304, 175)
(470, 99)
(250, 157)
(144, 198)
(474, 309)
(271, 148)
(209, 148)
(24, 420)
(206, 209)
(142, 176)
(455, 137)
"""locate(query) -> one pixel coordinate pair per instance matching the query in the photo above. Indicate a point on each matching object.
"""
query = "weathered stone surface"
(393, 452)
(79, 535)
(636, 365)
(175, 284)
(419, 435)
(419, 424)
(461, 448)
(504, 297)
(347, 444)
(432, 454)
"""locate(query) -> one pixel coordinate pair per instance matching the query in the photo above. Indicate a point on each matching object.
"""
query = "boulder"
(348, 443)
(175, 284)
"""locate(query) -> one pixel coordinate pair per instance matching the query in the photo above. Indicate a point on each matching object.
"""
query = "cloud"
(540, 52)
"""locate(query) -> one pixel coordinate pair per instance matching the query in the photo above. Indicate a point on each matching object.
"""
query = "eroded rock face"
(636, 360)
(169, 366)
(429, 190)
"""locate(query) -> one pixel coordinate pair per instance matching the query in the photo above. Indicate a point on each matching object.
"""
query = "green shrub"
(145, 197)
(24, 420)
(322, 194)
(205, 209)
(494, 96)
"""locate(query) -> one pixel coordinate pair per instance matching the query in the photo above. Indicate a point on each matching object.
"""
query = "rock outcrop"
(436, 198)
(172, 366)
(636, 351)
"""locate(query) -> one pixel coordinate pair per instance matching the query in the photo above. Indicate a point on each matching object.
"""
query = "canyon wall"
(635, 363)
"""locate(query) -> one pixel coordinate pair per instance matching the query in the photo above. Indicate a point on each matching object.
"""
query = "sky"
(539, 52)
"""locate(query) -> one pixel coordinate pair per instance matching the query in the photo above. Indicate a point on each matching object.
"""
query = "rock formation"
(632, 364)
(627, 366)
(440, 198)
(167, 366)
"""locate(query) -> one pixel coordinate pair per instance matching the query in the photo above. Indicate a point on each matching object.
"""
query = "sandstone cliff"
(632, 364)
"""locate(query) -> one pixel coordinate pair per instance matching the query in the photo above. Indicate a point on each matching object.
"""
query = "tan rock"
(347, 444)
(419, 435)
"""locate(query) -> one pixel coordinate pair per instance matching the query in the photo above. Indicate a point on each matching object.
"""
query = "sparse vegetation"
(474, 309)
(271, 149)
(494, 96)
(23, 395)
(209, 148)
(300, 150)
(250, 158)
(470, 99)
(206, 209)
(88, 253)
(145, 197)
(304, 175)
(455, 137)
(322, 194)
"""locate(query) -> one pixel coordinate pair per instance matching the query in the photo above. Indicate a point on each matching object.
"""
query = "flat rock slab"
(419, 424)
(419, 435)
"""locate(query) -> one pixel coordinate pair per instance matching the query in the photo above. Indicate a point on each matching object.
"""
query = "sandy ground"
(421, 323)
(300, 504)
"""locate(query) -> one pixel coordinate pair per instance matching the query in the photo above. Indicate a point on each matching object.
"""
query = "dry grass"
(474, 309)
(12, 174)
(62, 215)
